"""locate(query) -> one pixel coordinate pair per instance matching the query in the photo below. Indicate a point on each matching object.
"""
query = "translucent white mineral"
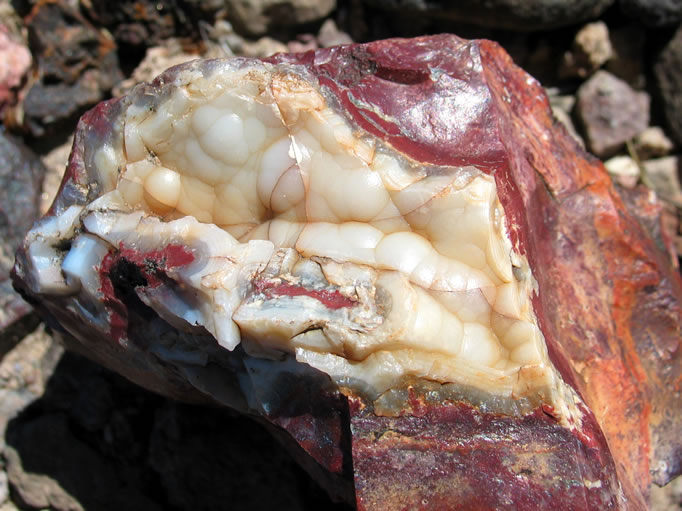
(308, 237)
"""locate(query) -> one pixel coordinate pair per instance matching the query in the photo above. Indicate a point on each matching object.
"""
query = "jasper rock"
(508, 14)
(611, 113)
(655, 217)
(668, 75)
(401, 263)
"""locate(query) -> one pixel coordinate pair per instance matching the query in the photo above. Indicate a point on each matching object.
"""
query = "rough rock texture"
(668, 74)
(255, 18)
(654, 13)
(522, 15)
(136, 23)
(653, 215)
(76, 67)
(609, 306)
(21, 175)
(24, 371)
(611, 113)
(564, 118)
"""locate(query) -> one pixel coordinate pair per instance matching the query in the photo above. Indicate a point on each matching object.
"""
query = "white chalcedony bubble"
(350, 241)
(196, 199)
(268, 162)
(275, 161)
(255, 134)
(162, 188)
(395, 176)
(203, 167)
(519, 333)
(479, 345)
(134, 146)
(224, 141)
(357, 194)
(288, 192)
(204, 118)
(508, 302)
(403, 251)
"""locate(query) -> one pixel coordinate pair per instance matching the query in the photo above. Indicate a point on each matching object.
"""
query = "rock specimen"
(390, 254)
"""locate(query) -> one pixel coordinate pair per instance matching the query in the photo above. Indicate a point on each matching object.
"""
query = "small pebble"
(652, 143)
(663, 175)
(624, 170)
(611, 113)
(330, 35)
(591, 49)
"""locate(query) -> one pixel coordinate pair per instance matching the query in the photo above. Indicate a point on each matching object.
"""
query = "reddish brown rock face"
(582, 411)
